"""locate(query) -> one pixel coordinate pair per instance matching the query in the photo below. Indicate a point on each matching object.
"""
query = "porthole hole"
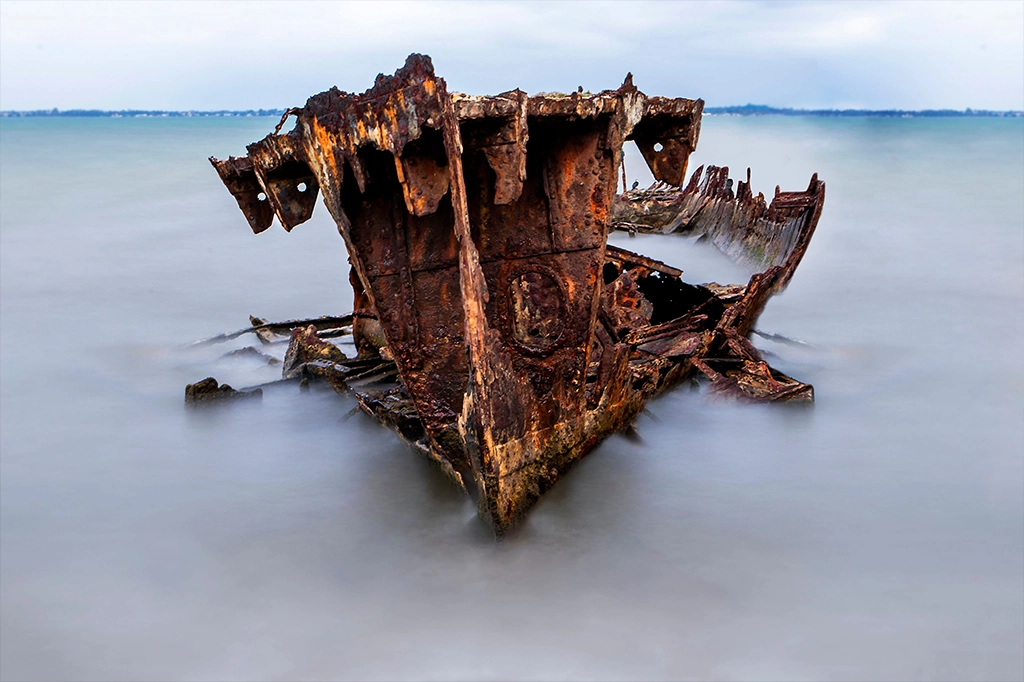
(658, 146)
(261, 196)
(301, 187)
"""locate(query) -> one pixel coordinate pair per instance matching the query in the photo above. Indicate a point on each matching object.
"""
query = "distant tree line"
(139, 113)
(762, 110)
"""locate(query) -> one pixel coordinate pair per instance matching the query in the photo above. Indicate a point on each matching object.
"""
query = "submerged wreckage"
(513, 337)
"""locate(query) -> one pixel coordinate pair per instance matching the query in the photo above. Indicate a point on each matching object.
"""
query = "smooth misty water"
(879, 535)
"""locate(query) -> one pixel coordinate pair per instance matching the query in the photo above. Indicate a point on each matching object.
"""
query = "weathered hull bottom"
(505, 336)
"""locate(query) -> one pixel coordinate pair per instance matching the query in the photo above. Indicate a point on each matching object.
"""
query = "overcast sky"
(240, 55)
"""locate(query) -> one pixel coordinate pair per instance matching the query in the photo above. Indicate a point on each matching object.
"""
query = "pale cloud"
(271, 54)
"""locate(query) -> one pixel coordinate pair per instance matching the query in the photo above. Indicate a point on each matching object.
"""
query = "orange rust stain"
(387, 133)
(323, 138)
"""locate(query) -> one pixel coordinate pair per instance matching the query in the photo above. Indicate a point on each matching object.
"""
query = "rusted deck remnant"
(476, 229)
(745, 227)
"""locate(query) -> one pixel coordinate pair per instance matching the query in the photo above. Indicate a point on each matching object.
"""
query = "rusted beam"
(285, 328)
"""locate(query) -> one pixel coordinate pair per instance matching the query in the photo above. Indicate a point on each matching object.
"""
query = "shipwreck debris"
(326, 326)
(745, 227)
(208, 391)
(505, 337)
(305, 347)
(251, 352)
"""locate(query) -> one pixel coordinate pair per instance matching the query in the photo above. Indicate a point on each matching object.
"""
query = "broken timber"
(476, 228)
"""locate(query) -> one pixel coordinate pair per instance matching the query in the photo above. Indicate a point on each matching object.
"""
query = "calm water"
(879, 535)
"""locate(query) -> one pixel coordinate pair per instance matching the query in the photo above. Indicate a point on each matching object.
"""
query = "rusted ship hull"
(752, 232)
(476, 229)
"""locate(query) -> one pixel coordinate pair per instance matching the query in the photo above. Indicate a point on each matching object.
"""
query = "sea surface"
(876, 536)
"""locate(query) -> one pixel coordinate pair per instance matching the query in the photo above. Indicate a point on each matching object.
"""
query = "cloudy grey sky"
(237, 55)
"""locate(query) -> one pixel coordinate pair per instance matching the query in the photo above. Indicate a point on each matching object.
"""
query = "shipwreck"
(497, 331)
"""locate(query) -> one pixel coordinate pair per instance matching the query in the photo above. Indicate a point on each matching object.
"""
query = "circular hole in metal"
(261, 196)
(538, 310)
(658, 146)
(301, 187)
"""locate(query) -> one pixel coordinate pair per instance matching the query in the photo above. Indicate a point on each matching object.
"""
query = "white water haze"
(877, 535)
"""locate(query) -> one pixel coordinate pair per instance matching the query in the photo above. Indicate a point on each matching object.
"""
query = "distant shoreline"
(761, 110)
(139, 113)
(745, 110)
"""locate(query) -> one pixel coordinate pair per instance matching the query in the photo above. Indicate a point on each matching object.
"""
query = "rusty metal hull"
(752, 232)
(476, 229)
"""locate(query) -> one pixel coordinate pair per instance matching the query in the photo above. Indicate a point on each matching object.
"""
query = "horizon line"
(737, 110)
